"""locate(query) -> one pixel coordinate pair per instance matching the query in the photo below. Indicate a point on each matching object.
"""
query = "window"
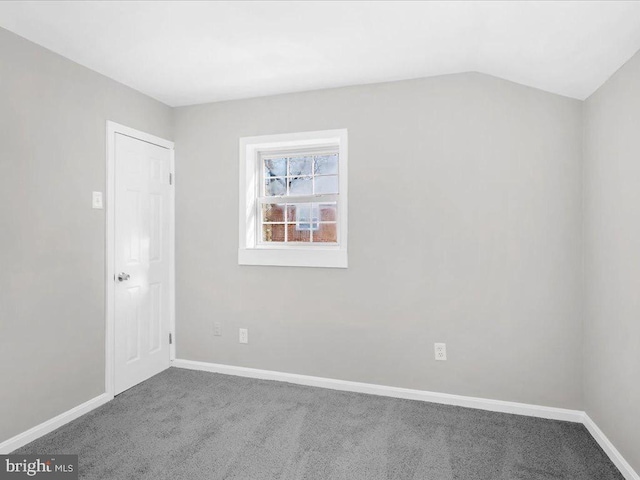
(293, 199)
(298, 197)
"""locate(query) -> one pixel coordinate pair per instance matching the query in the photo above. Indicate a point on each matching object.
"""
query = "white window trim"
(250, 252)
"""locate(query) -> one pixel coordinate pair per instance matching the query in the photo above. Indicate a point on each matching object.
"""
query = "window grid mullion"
(311, 221)
(313, 175)
(286, 225)
(287, 221)
(260, 190)
(319, 198)
(288, 178)
(313, 192)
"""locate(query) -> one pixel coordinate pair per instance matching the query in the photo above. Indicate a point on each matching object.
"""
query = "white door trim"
(112, 129)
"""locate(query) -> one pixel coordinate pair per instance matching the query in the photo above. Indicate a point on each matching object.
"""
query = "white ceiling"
(184, 53)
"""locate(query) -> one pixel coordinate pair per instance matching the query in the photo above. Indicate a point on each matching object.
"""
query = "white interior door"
(142, 260)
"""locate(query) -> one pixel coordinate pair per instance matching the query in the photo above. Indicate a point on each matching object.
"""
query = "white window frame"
(253, 252)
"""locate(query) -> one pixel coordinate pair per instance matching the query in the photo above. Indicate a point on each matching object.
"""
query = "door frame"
(114, 128)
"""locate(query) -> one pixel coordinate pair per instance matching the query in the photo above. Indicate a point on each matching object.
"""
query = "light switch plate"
(97, 200)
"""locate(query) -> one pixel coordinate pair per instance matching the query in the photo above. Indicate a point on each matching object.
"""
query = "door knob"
(123, 277)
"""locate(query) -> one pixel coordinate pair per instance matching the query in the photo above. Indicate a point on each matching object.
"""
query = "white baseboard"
(618, 460)
(38, 431)
(344, 385)
(552, 413)
(385, 391)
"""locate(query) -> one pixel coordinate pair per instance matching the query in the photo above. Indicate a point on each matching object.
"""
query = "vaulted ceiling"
(186, 52)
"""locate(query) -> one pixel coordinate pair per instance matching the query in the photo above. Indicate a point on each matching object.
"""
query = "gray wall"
(53, 116)
(465, 228)
(612, 254)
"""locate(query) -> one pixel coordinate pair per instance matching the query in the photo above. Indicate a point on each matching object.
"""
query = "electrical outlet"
(217, 329)
(244, 335)
(441, 351)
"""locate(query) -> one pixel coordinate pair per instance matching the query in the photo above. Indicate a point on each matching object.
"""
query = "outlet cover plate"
(440, 351)
(243, 335)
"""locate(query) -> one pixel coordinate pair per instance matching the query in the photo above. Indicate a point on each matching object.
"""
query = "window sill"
(293, 257)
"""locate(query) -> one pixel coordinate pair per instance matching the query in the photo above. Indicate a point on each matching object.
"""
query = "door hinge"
(170, 339)
(171, 179)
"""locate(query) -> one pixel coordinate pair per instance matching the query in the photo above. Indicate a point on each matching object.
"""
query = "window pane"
(273, 232)
(326, 164)
(326, 233)
(327, 212)
(303, 212)
(273, 212)
(297, 235)
(327, 184)
(275, 186)
(299, 166)
(275, 167)
(292, 212)
(300, 186)
(305, 215)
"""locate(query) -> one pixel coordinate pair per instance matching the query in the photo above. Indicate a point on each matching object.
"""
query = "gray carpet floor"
(191, 425)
